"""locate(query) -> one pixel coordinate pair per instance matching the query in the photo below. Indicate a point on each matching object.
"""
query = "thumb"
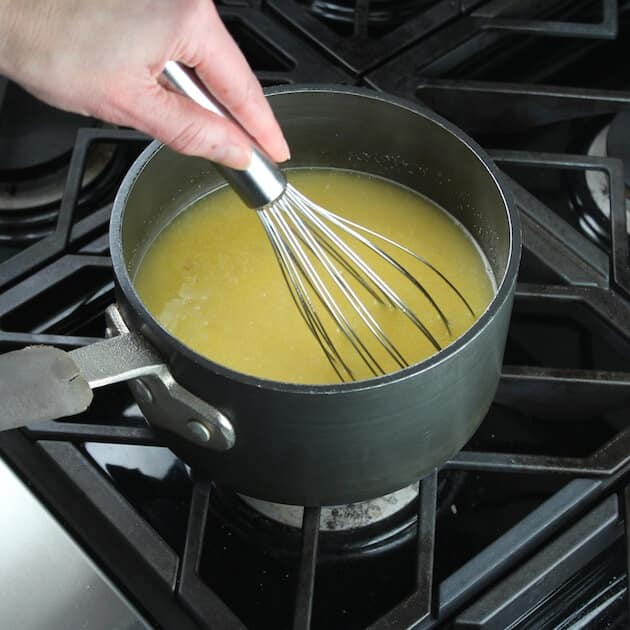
(188, 128)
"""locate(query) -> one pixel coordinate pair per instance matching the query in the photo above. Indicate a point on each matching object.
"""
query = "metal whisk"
(301, 231)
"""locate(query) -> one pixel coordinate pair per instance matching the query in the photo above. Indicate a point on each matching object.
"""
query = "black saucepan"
(299, 444)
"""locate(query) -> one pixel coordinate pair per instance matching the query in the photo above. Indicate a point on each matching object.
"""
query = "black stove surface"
(526, 527)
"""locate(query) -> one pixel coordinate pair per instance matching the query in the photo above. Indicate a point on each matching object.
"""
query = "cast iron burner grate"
(367, 17)
(37, 143)
(531, 517)
(347, 34)
(81, 283)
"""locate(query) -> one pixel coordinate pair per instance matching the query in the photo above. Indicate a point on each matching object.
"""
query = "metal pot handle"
(44, 383)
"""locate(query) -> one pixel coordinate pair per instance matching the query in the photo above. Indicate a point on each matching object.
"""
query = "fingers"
(224, 70)
(187, 128)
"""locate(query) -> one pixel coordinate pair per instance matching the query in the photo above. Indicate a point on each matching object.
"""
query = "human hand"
(105, 59)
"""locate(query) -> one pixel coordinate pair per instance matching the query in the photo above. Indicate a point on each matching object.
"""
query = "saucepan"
(283, 442)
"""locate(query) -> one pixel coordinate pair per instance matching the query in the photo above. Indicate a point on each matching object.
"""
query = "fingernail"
(236, 156)
(285, 150)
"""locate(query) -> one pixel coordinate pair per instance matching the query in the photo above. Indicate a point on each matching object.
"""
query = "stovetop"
(526, 527)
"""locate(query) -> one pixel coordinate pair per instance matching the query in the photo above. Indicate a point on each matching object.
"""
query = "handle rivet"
(199, 431)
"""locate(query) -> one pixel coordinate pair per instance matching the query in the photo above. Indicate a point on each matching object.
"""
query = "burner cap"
(34, 136)
(379, 13)
(591, 192)
(618, 143)
(341, 517)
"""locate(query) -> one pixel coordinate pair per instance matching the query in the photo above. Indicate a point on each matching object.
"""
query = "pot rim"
(504, 286)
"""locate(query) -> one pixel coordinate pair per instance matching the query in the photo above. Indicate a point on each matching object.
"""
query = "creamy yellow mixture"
(212, 280)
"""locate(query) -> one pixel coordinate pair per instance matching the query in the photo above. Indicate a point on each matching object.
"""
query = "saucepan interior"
(347, 129)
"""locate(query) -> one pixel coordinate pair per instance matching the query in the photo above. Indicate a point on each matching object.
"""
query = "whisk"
(300, 231)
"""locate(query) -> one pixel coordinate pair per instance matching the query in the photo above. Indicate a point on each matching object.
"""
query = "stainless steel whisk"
(300, 230)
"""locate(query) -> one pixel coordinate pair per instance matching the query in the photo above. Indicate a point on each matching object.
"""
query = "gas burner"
(29, 207)
(340, 517)
(37, 143)
(593, 195)
(374, 526)
(378, 16)
(36, 139)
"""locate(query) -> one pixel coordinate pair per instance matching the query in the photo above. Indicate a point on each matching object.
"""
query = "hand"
(105, 59)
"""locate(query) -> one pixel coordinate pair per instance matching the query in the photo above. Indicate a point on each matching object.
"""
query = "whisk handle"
(263, 181)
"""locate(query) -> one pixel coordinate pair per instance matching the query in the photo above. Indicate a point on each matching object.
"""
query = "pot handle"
(42, 383)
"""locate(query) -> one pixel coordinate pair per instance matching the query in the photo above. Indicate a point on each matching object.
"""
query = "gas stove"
(525, 528)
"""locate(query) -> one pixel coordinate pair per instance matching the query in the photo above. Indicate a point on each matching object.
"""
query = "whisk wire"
(307, 247)
(321, 290)
(307, 233)
(391, 295)
(342, 221)
(306, 205)
(293, 275)
(349, 268)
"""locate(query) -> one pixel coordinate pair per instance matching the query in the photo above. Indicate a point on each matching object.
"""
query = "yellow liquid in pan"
(212, 280)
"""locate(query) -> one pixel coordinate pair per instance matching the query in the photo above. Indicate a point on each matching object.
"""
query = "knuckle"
(190, 139)
(244, 98)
